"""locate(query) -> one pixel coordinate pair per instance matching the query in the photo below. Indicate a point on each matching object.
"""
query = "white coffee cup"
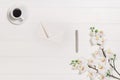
(16, 14)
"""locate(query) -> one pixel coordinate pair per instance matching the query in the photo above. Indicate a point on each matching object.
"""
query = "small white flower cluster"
(97, 37)
(97, 66)
(79, 65)
(101, 64)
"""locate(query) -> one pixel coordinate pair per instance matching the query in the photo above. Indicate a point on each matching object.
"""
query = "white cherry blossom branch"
(105, 59)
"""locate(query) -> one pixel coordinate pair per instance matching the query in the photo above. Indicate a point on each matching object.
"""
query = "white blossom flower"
(92, 34)
(101, 77)
(93, 41)
(100, 34)
(109, 53)
(96, 41)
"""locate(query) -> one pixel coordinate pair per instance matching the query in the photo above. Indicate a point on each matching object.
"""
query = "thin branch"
(110, 63)
(115, 68)
(94, 68)
(103, 53)
(114, 77)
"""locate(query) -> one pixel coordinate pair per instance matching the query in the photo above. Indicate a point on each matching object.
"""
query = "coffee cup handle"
(21, 19)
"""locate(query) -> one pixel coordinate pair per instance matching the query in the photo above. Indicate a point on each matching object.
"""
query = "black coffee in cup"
(17, 12)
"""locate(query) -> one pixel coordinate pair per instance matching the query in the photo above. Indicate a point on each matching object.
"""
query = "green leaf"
(108, 73)
(72, 60)
(90, 27)
(115, 55)
(111, 58)
(76, 61)
(96, 31)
